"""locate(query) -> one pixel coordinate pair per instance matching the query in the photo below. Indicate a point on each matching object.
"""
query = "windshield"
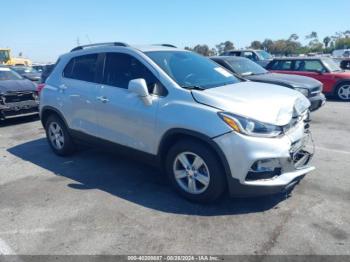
(331, 65)
(192, 70)
(4, 56)
(24, 70)
(245, 66)
(9, 75)
(264, 55)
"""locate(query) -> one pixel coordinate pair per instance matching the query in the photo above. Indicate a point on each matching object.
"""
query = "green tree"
(312, 35)
(293, 37)
(268, 45)
(225, 46)
(256, 45)
(203, 50)
(342, 43)
(326, 41)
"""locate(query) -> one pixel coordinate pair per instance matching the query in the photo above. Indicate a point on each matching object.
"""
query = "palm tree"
(326, 41)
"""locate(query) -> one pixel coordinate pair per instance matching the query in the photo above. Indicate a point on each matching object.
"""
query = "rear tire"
(195, 171)
(343, 91)
(58, 136)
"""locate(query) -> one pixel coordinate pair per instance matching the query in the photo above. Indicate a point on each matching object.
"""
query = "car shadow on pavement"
(128, 179)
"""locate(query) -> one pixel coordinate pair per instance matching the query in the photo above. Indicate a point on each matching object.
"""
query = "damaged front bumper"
(263, 166)
(17, 104)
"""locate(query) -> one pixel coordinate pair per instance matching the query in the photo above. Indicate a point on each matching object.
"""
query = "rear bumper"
(317, 101)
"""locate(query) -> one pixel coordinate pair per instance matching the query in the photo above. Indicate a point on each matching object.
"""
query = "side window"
(121, 68)
(82, 68)
(309, 65)
(345, 64)
(235, 53)
(282, 65)
(250, 55)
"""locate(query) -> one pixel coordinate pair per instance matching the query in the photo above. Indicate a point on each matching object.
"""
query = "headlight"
(250, 127)
(304, 91)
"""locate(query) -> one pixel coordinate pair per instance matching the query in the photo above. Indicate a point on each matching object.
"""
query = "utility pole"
(88, 38)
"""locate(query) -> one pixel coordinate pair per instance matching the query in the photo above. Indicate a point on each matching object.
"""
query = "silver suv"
(207, 129)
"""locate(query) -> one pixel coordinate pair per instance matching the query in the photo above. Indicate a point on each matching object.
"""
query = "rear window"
(82, 68)
(281, 65)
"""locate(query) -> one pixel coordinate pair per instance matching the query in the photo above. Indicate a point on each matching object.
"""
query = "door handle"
(62, 87)
(103, 99)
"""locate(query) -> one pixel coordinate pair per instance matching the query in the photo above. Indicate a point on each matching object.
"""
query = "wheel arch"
(176, 134)
(47, 111)
(338, 84)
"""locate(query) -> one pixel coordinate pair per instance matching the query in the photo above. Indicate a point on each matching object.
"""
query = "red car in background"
(336, 82)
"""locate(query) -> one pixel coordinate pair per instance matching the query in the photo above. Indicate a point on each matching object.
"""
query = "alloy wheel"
(191, 173)
(56, 135)
(344, 92)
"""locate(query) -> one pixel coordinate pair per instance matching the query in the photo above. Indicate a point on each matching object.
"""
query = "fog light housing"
(264, 169)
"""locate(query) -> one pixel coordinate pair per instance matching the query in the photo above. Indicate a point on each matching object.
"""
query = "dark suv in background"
(345, 64)
(258, 56)
(245, 68)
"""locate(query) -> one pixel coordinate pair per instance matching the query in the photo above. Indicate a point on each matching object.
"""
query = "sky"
(44, 29)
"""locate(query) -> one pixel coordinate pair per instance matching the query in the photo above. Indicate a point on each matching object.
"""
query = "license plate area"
(302, 151)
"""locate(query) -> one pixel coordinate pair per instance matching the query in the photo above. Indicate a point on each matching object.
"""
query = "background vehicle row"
(335, 81)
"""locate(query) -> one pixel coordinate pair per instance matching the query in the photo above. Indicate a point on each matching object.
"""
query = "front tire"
(58, 137)
(195, 171)
(343, 91)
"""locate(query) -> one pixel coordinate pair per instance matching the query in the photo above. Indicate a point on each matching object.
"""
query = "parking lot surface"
(96, 202)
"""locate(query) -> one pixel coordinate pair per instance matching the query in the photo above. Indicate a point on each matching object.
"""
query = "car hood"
(16, 85)
(286, 80)
(32, 76)
(263, 102)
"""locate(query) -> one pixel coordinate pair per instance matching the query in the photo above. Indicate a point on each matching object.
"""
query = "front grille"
(315, 91)
(11, 113)
(15, 97)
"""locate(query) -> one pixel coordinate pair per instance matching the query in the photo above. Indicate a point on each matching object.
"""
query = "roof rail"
(99, 44)
(168, 45)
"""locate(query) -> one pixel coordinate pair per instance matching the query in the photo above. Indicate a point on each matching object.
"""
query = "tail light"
(39, 88)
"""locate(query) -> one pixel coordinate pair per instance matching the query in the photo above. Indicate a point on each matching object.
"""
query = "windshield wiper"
(194, 87)
(247, 74)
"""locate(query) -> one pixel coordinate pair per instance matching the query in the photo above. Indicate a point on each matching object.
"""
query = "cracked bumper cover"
(243, 151)
(23, 108)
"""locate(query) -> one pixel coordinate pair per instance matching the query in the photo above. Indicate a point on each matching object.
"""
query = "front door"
(123, 117)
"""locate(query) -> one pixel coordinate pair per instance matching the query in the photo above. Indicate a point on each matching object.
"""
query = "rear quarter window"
(309, 65)
(82, 68)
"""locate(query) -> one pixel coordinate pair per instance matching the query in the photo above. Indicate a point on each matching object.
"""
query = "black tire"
(68, 145)
(338, 91)
(217, 182)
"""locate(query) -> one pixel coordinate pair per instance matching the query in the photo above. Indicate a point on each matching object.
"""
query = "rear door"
(123, 117)
(78, 91)
(316, 70)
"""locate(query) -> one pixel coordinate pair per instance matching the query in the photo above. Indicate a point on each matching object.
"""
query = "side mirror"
(139, 87)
